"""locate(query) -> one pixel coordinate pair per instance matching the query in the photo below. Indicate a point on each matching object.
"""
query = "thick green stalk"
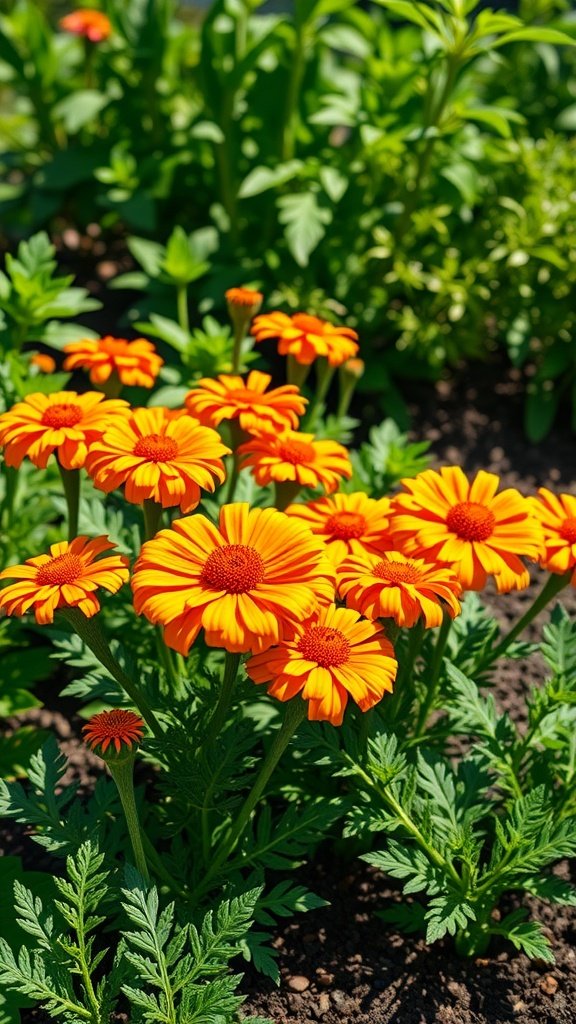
(297, 66)
(296, 373)
(71, 485)
(239, 335)
(11, 476)
(434, 681)
(152, 512)
(324, 375)
(123, 774)
(285, 492)
(231, 666)
(182, 306)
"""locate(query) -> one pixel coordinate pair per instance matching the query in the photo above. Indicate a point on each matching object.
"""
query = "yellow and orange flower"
(390, 585)
(557, 515)
(92, 25)
(306, 337)
(297, 458)
(245, 582)
(66, 578)
(333, 656)
(349, 524)
(479, 533)
(117, 727)
(63, 422)
(43, 362)
(158, 456)
(136, 363)
(230, 397)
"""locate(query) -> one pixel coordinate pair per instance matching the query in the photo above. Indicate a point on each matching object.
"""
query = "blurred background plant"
(407, 167)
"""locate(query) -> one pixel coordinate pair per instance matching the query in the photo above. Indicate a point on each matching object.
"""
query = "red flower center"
(115, 727)
(156, 448)
(568, 530)
(471, 521)
(63, 569)
(64, 415)
(326, 646)
(345, 525)
(397, 572)
(235, 568)
(296, 452)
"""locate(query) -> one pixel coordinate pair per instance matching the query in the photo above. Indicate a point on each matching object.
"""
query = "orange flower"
(306, 337)
(557, 514)
(298, 458)
(477, 532)
(44, 362)
(118, 727)
(64, 422)
(243, 297)
(256, 409)
(135, 362)
(349, 524)
(66, 578)
(93, 25)
(244, 582)
(332, 656)
(404, 589)
(158, 456)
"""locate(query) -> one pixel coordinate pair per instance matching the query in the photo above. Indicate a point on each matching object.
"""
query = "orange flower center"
(471, 521)
(398, 572)
(326, 646)
(296, 452)
(63, 569)
(156, 448)
(568, 530)
(235, 568)
(64, 415)
(345, 525)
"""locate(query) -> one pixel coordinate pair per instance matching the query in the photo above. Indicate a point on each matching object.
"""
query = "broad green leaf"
(538, 34)
(305, 223)
(79, 108)
(260, 179)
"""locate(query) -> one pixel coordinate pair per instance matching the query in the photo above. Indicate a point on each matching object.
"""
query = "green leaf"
(305, 223)
(447, 913)
(538, 34)
(260, 179)
(525, 935)
(79, 108)
(417, 13)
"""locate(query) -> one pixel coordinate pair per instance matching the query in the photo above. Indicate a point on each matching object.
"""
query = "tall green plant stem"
(123, 774)
(297, 65)
(71, 484)
(91, 634)
(296, 373)
(239, 335)
(153, 512)
(324, 375)
(11, 477)
(182, 307)
(434, 681)
(91, 996)
(231, 666)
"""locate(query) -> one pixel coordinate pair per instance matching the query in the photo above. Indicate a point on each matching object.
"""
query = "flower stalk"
(71, 484)
(122, 771)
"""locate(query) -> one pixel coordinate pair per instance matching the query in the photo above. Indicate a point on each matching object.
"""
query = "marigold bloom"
(389, 585)
(256, 409)
(349, 524)
(557, 515)
(64, 422)
(158, 456)
(296, 457)
(306, 337)
(117, 727)
(243, 304)
(44, 362)
(93, 25)
(245, 582)
(332, 656)
(66, 578)
(136, 362)
(444, 517)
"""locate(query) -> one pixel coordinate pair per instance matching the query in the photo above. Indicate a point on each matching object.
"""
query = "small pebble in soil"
(324, 978)
(298, 983)
(549, 985)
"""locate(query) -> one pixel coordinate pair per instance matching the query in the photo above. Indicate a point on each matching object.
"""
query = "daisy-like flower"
(333, 656)
(390, 585)
(66, 578)
(245, 582)
(92, 25)
(298, 458)
(349, 524)
(63, 422)
(557, 515)
(445, 517)
(135, 362)
(256, 408)
(306, 337)
(117, 728)
(158, 456)
(43, 362)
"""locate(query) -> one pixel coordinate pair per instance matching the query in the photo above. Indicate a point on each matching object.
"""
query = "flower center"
(296, 452)
(246, 395)
(64, 415)
(235, 568)
(345, 525)
(568, 530)
(156, 448)
(325, 646)
(397, 572)
(307, 323)
(471, 521)
(63, 569)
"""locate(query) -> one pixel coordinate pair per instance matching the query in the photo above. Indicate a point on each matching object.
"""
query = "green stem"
(11, 476)
(296, 373)
(123, 775)
(231, 666)
(554, 584)
(285, 492)
(434, 681)
(90, 633)
(152, 512)
(297, 65)
(71, 484)
(88, 986)
(324, 375)
(239, 335)
(182, 306)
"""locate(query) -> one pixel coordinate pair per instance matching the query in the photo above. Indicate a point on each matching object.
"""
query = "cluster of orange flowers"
(302, 591)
